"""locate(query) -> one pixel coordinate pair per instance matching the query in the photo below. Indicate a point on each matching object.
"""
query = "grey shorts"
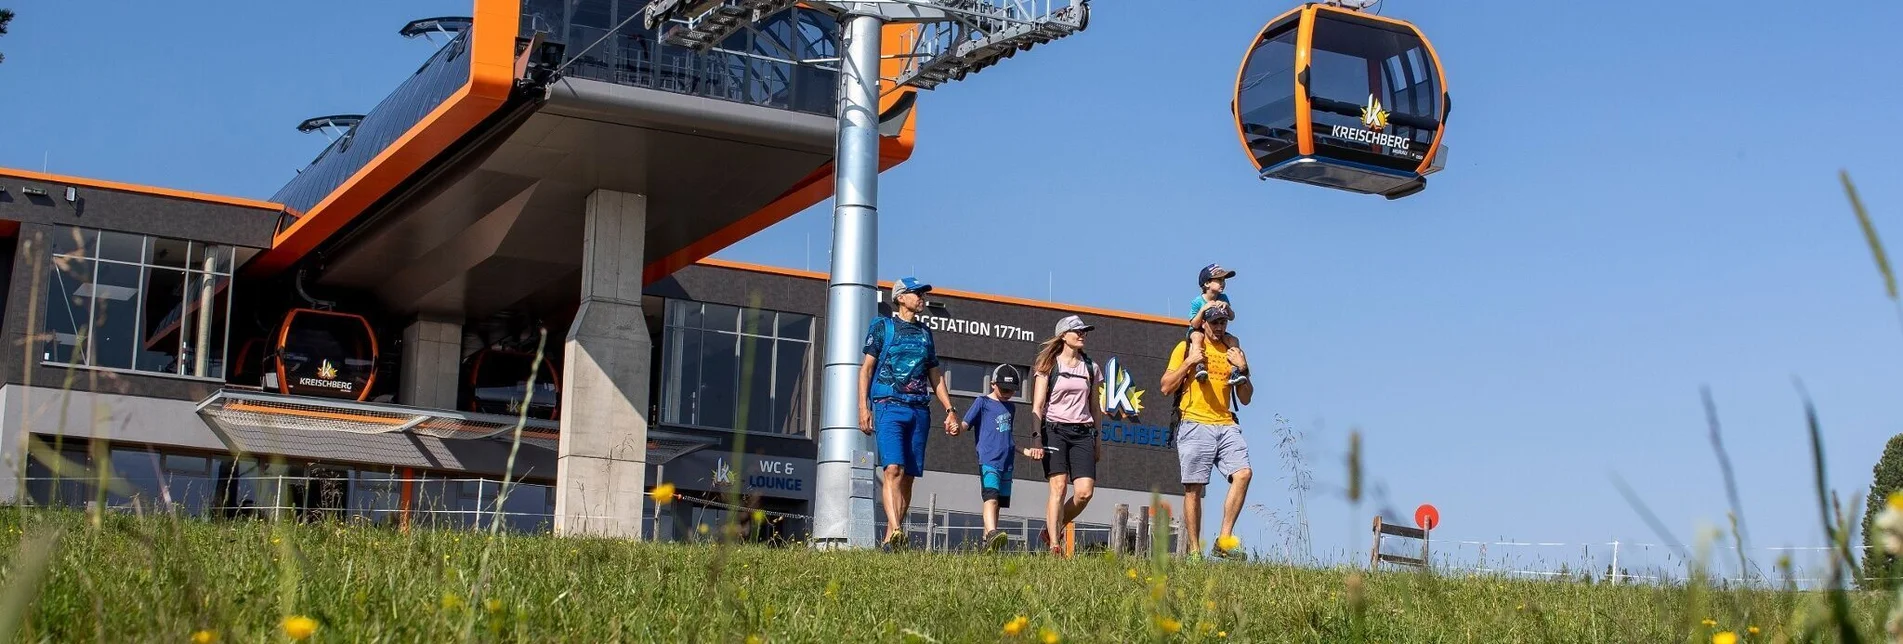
(1204, 447)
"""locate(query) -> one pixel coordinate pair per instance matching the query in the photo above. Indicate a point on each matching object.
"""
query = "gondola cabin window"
(134, 302)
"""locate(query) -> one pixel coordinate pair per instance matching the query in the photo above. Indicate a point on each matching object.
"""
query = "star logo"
(1373, 116)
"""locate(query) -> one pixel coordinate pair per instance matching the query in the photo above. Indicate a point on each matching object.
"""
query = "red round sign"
(1426, 517)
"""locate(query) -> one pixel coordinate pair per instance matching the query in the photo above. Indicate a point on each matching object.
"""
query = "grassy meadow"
(130, 579)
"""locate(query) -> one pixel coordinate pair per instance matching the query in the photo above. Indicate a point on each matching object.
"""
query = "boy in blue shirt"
(1213, 280)
(989, 420)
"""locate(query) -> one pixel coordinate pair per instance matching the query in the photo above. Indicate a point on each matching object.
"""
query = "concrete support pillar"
(432, 363)
(600, 471)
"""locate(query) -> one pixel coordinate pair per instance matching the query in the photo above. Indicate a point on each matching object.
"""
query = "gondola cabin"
(496, 381)
(1343, 99)
(324, 354)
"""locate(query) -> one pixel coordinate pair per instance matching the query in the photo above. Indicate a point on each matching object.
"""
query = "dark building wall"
(1141, 348)
(137, 213)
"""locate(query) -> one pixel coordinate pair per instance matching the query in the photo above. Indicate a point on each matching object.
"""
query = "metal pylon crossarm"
(980, 33)
(702, 24)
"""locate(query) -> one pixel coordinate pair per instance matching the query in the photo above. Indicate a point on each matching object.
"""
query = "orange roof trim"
(491, 75)
(966, 295)
(141, 189)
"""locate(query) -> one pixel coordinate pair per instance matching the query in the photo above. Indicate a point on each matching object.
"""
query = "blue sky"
(1641, 199)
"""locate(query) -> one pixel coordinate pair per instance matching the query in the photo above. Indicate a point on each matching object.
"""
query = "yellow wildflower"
(451, 602)
(1228, 542)
(1016, 625)
(663, 493)
(1895, 500)
(1048, 636)
(1168, 624)
(492, 604)
(1209, 604)
(1205, 628)
(1222, 634)
(1752, 630)
(204, 637)
(299, 627)
(1724, 637)
(1131, 573)
(755, 639)
(1709, 622)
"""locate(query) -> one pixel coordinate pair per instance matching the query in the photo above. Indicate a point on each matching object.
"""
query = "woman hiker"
(1068, 415)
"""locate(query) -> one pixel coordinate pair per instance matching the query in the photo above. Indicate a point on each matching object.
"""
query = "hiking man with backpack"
(1068, 416)
(897, 380)
(1208, 436)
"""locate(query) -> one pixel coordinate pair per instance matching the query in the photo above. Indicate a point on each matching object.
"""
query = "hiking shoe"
(1238, 378)
(1202, 373)
(1232, 555)
(894, 542)
(996, 540)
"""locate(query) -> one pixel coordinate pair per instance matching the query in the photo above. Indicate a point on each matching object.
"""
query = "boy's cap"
(1072, 323)
(1213, 272)
(910, 285)
(1005, 377)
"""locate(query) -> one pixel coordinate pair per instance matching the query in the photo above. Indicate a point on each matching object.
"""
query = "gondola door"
(326, 354)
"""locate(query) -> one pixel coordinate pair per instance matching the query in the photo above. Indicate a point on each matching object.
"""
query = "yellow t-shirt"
(1206, 401)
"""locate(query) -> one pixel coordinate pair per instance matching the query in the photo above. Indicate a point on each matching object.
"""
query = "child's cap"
(1005, 377)
(1213, 272)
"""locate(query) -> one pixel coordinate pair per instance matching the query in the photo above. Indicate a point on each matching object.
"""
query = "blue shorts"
(996, 483)
(901, 431)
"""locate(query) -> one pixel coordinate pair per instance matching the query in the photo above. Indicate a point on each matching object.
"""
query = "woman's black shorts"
(1070, 449)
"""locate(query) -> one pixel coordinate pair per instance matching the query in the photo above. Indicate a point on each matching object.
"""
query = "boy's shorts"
(997, 483)
(901, 430)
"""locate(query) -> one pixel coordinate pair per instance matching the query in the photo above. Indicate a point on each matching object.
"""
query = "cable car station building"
(362, 344)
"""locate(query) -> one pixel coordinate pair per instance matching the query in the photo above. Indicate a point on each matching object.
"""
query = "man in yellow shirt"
(1208, 437)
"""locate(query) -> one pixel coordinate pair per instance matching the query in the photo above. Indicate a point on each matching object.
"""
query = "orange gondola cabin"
(496, 381)
(325, 354)
(1344, 99)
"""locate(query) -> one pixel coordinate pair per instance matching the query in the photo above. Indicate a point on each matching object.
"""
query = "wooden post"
(407, 490)
(1119, 526)
(931, 517)
(1143, 531)
(1163, 520)
(1374, 554)
(1070, 539)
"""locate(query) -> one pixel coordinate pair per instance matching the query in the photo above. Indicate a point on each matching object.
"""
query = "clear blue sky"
(1642, 199)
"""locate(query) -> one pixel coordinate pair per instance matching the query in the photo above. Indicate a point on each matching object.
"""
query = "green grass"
(157, 579)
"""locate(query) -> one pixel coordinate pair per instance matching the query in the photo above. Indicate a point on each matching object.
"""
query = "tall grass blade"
(1651, 520)
(26, 571)
(1839, 603)
(1870, 235)
(1731, 482)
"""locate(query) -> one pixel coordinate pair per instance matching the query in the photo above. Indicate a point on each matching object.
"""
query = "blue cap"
(910, 285)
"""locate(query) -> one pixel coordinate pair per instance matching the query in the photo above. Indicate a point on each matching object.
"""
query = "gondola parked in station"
(496, 381)
(1342, 98)
(324, 354)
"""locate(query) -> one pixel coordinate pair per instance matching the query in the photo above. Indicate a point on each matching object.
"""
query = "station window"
(137, 303)
(971, 378)
(733, 368)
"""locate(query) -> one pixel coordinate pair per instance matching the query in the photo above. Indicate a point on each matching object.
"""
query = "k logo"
(1115, 395)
